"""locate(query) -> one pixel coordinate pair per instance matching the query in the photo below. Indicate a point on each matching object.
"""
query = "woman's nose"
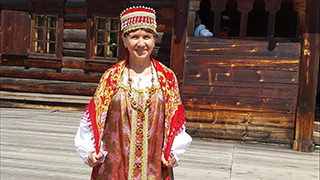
(140, 42)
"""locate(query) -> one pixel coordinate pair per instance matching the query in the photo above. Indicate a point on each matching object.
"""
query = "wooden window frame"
(107, 35)
(90, 43)
(58, 35)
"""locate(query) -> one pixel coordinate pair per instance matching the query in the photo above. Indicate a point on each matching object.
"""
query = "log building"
(258, 83)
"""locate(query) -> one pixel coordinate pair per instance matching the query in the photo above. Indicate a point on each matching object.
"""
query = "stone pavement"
(38, 144)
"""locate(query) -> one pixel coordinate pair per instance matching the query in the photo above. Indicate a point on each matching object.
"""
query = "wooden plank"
(46, 98)
(59, 39)
(274, 135)
(225, 118)
(74, 45)
(247, 62)
(74, 35)
(308, 79)
(75, 10)
(75, 18)
(212, 75)
(155, 4)
(52, 63)
(89, 40)
(55, 6)
(97, 65)
(239, 103)
(165, 12)
(49, 74)
(261, 90)
(193, 39)
(73, 53)
(255, 49)
(74, 25)
(9, 61)
(73, 62)
(177, 57)
(104, 9)
(47, 86)
(53, 130)
(15, 32)
(31, 61)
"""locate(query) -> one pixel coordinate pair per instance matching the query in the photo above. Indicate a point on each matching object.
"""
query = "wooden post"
(272, 6)
(178, 44)
(300, 7)
(244, 7)
(308, 79)
(59, 43)
(89, 39)
(218, 6)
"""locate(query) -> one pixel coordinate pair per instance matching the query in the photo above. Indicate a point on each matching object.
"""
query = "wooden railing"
(245, 7)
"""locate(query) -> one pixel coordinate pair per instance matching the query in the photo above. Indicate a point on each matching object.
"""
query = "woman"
(134, 126)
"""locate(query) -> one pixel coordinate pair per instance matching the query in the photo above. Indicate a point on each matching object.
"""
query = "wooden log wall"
(29, 73)
(241, 89)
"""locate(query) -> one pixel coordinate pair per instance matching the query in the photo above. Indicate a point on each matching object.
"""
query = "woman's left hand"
(171, 161)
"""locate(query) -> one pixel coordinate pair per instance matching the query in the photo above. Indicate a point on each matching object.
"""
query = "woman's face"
(140, 44)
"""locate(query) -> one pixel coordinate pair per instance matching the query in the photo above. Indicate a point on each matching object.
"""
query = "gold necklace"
(133, 102)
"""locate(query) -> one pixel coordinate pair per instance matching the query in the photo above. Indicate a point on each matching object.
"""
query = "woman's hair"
(147, 30)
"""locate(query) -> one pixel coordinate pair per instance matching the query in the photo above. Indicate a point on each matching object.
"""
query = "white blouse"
(84, 139)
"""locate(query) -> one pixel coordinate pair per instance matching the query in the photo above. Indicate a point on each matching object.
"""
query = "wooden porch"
(38, 144)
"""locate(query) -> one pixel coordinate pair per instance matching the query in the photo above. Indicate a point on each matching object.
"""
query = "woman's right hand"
(94, 159)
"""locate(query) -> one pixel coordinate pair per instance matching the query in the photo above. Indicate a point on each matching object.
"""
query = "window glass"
(44, 34)
(105, 43)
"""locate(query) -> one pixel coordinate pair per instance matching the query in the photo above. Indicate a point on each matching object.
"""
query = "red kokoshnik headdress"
(138, 17)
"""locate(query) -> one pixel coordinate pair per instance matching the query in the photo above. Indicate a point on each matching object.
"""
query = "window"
(44, 34)
(105, 43)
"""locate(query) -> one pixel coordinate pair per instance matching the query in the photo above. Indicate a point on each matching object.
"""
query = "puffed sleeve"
(84, 141)
(180, 144)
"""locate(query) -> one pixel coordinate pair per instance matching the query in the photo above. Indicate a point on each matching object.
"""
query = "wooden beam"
(218, 6)
(47, 86)
(244, 7)
(272, 6)
(178, 44)
(308, 79)
(76, 75)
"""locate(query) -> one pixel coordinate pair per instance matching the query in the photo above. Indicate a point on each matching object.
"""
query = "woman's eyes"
(137, 37)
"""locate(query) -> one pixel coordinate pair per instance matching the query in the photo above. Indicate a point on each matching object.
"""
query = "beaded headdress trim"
(138, 17)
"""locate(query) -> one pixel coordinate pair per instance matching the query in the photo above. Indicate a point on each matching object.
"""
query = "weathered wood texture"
(15, 33)
(74, 42)
(238, 89)
(308, 79)
(49, 87)
(75, 15)
(38, 144)
(66, 74)
(178, 45)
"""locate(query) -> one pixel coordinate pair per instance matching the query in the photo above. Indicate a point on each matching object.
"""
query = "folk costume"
(132, 120)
